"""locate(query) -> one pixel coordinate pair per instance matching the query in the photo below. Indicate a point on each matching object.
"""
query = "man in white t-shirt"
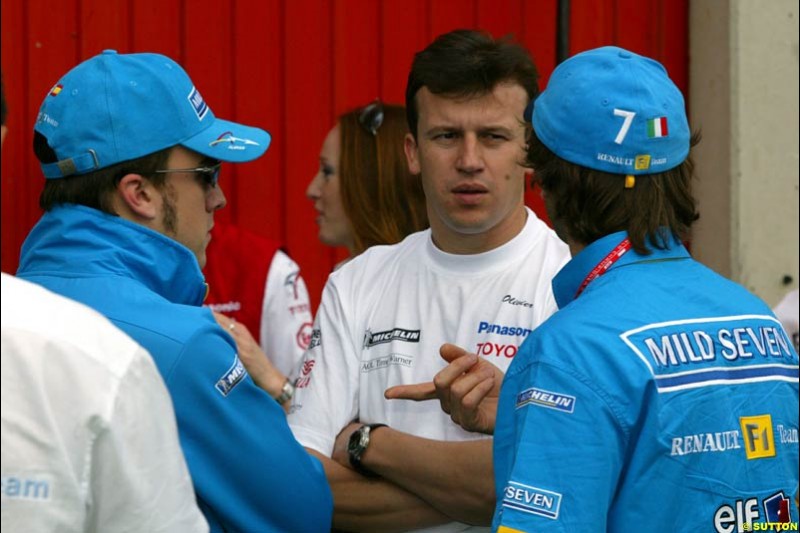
(89, 440)
(479, 278)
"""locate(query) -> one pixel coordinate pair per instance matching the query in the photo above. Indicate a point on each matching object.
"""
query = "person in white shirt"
(479, 277)
(89, 440)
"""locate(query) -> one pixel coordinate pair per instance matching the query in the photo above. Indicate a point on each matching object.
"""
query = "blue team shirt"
(663, 398)
(249, 472)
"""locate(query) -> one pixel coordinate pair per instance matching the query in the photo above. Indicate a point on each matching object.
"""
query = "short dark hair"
(589, 204)
(465, 63)
(95, 189)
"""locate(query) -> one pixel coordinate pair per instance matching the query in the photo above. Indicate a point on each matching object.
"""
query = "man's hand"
(467, 389)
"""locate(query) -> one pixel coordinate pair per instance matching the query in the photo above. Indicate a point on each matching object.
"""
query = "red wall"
(289, 66)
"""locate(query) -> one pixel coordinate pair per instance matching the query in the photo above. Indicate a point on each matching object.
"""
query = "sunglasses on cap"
(371, 117)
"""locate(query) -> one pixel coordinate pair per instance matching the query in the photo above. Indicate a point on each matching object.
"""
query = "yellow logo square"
(759, 441)
(506, 529)
(642, 162)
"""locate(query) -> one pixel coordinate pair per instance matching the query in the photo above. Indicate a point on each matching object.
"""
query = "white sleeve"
(139, 471)
(326, 395)
(286, 315)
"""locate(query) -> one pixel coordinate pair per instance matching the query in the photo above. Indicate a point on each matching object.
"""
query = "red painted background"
(289, 66)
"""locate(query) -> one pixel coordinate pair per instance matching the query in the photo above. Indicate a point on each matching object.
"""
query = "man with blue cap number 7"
(132, 157)
(661, 396)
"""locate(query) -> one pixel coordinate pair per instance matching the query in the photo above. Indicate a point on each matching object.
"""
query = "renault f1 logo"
(759, 441)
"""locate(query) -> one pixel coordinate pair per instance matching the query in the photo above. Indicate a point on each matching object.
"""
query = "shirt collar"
(567, 281)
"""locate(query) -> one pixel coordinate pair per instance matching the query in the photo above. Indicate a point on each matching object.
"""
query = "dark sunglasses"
(209, 175)
(371, 117)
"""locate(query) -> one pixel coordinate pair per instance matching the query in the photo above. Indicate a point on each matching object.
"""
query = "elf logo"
(758, 436)
(746, 514)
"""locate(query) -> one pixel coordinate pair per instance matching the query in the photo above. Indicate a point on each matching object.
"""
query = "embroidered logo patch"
(543, 398)
(397, 334)
(657, 127)
(198, 104)
(233, 143)
(758, 437)
(231, 378)
(532, 500)
(641, 162)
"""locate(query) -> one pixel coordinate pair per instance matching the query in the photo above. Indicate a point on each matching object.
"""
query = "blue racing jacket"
(663, 399)
(249, 473)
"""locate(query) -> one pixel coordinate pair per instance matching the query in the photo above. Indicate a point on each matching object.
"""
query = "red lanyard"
(603, 266)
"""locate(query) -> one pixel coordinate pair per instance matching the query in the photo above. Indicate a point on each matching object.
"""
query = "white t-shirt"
(385, 314)
(89, 441)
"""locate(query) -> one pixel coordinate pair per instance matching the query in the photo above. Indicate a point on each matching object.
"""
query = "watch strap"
(356, 454)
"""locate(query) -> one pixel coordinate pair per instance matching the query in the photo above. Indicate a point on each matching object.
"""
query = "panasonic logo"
(512, 331)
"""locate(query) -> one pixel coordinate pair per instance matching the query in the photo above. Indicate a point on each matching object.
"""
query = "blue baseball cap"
(611, 110)
(117, 107)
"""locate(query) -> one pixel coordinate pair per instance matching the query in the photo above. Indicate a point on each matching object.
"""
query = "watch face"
(358, 441)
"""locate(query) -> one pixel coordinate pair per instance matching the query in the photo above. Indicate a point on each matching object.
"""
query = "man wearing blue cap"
(661, 396)
(132, 155)
(79, 439)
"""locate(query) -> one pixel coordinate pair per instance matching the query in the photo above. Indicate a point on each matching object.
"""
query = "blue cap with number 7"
(615, 111)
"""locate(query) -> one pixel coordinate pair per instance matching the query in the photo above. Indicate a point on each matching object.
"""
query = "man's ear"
(412, 154)
(138, 198)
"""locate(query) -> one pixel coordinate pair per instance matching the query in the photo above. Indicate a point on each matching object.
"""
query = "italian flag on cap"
(657, 127)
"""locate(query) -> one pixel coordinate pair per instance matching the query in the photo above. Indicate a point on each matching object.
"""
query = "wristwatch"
(357, 445)
(286, 392)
